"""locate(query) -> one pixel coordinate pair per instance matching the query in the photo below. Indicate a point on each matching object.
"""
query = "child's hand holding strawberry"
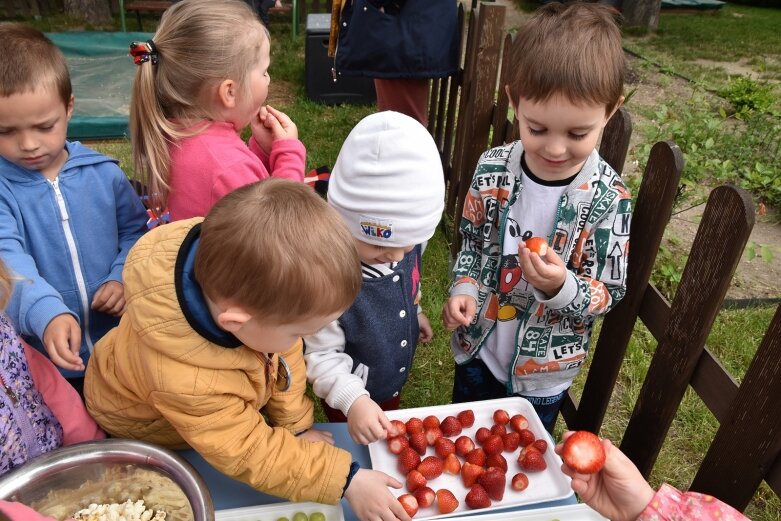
(617, 491)
(366, 421)
(541, 266)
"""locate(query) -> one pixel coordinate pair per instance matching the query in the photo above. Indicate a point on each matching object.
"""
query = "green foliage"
(668, 268)
(747, 95)
(742, 148)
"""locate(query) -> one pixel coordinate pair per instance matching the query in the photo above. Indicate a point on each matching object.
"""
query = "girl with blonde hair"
(201, 79)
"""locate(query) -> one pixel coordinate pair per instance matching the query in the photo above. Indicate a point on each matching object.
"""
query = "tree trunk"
(95, 12)
(642, 13)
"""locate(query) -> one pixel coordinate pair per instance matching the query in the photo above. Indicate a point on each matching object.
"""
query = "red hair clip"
(143, 52)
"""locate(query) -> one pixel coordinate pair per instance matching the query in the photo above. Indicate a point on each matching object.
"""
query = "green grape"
(300, 516)
(317, 516)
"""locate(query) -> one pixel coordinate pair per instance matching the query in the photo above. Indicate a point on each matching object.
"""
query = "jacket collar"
(190, 296)
(78, 156)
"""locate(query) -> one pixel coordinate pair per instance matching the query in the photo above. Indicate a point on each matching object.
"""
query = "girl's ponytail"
(198, 44)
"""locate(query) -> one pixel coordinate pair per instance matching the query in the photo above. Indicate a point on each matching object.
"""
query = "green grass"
(734, 338)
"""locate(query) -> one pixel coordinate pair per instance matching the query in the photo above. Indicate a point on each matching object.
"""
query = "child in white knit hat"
(389, 188)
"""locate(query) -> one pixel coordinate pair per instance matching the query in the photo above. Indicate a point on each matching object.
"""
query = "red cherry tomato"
(536, 245)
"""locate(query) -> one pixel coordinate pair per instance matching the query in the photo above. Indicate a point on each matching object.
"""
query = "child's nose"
(555, 148)
(27, 141)
(395, 255)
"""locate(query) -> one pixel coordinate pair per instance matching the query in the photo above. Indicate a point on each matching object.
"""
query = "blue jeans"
(473, 381)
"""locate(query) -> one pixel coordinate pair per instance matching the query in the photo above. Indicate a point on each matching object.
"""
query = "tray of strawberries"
(476, 456)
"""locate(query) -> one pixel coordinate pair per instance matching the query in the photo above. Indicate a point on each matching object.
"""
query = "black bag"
(398, 39)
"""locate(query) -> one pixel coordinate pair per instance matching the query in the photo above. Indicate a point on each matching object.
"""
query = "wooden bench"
(152, 6)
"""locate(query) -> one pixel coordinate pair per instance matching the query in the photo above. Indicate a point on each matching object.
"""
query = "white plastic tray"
(548, 485)
(276, 510)
(579, 512)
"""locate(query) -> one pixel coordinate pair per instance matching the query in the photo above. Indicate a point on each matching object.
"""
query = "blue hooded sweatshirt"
(64, 239)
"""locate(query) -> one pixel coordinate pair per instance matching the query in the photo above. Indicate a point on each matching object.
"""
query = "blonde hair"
(278, 249)
(199, 43)
(574, 50)
(6, 285)
(29, 59)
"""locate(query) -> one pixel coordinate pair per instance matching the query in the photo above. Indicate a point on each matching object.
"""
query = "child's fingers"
(100, 298)
(283, 118)
(110, 302)
(387, 426)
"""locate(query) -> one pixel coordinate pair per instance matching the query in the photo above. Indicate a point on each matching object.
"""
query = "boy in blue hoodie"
(68, 215)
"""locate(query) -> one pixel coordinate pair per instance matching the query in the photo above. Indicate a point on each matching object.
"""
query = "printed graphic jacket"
(65, 239)
(168, 375)
(591, 234)
(670, 504)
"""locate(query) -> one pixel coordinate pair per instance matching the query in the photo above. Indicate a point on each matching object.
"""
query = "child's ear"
(69, 108)
(510, 98)
(617, 106)
(232, 319)
(226, 93)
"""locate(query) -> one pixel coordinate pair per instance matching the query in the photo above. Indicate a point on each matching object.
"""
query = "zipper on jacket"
(22, 420)
(75, 264)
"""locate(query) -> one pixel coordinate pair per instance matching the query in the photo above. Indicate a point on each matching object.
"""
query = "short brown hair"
(30, 59)
(278, 249)
(572, 50)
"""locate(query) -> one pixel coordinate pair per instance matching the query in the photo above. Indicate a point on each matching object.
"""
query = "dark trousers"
(406, 95)
(336, 416)
(473, 382)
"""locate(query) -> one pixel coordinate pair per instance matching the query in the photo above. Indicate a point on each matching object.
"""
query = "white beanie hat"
(387, 183)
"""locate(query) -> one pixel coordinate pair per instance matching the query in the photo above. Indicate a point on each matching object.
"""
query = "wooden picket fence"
(468, 113)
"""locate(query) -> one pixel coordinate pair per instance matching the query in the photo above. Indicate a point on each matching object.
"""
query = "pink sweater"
(63, 400)
(670, 504)
(216, 161)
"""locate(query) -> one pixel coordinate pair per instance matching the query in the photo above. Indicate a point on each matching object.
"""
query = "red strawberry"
(481, 434)
(511, 441)
(414, 425)
(408, 460)
(583, 452)
(467, 418)
(519, 482)
(541, 445)
(443, 447)
(519, 422)
(450, 426)
(476, 456)
(532, 461)
(464, 445)
(470, 473)
(452, 465)
(477, 497)
(429, 422)
(397, 443)
(493, 444)
(446, 501)
(493, 481)
(501, 417)
(526, 437)
(498, 429)
(400, 426)
(538, 245)
(415, 480)
(433, 434)
(496, 460)
(425, 497)
(409, 503)
(418, 442)
(431, 467)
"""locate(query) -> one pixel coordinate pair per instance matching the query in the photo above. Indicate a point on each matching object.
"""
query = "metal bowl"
(64, 481)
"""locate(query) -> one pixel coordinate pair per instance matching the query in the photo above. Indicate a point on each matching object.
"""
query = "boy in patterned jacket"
(523, 319)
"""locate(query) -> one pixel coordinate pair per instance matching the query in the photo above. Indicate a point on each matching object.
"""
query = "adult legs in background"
(406, 95)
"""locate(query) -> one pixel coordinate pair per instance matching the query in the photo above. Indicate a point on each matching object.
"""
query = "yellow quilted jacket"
(154, 378)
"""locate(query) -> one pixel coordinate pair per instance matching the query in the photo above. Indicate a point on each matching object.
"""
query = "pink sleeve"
(62, 399)
(20, 512)
(671, 504)
(288, 158)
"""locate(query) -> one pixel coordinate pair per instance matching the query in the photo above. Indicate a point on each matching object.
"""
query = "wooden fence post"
(653, 207)
(615, 140)
(718, 246)
(753, 424)
(477, 96)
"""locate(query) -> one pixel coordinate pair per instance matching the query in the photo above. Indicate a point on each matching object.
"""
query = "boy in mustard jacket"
(210, 343)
